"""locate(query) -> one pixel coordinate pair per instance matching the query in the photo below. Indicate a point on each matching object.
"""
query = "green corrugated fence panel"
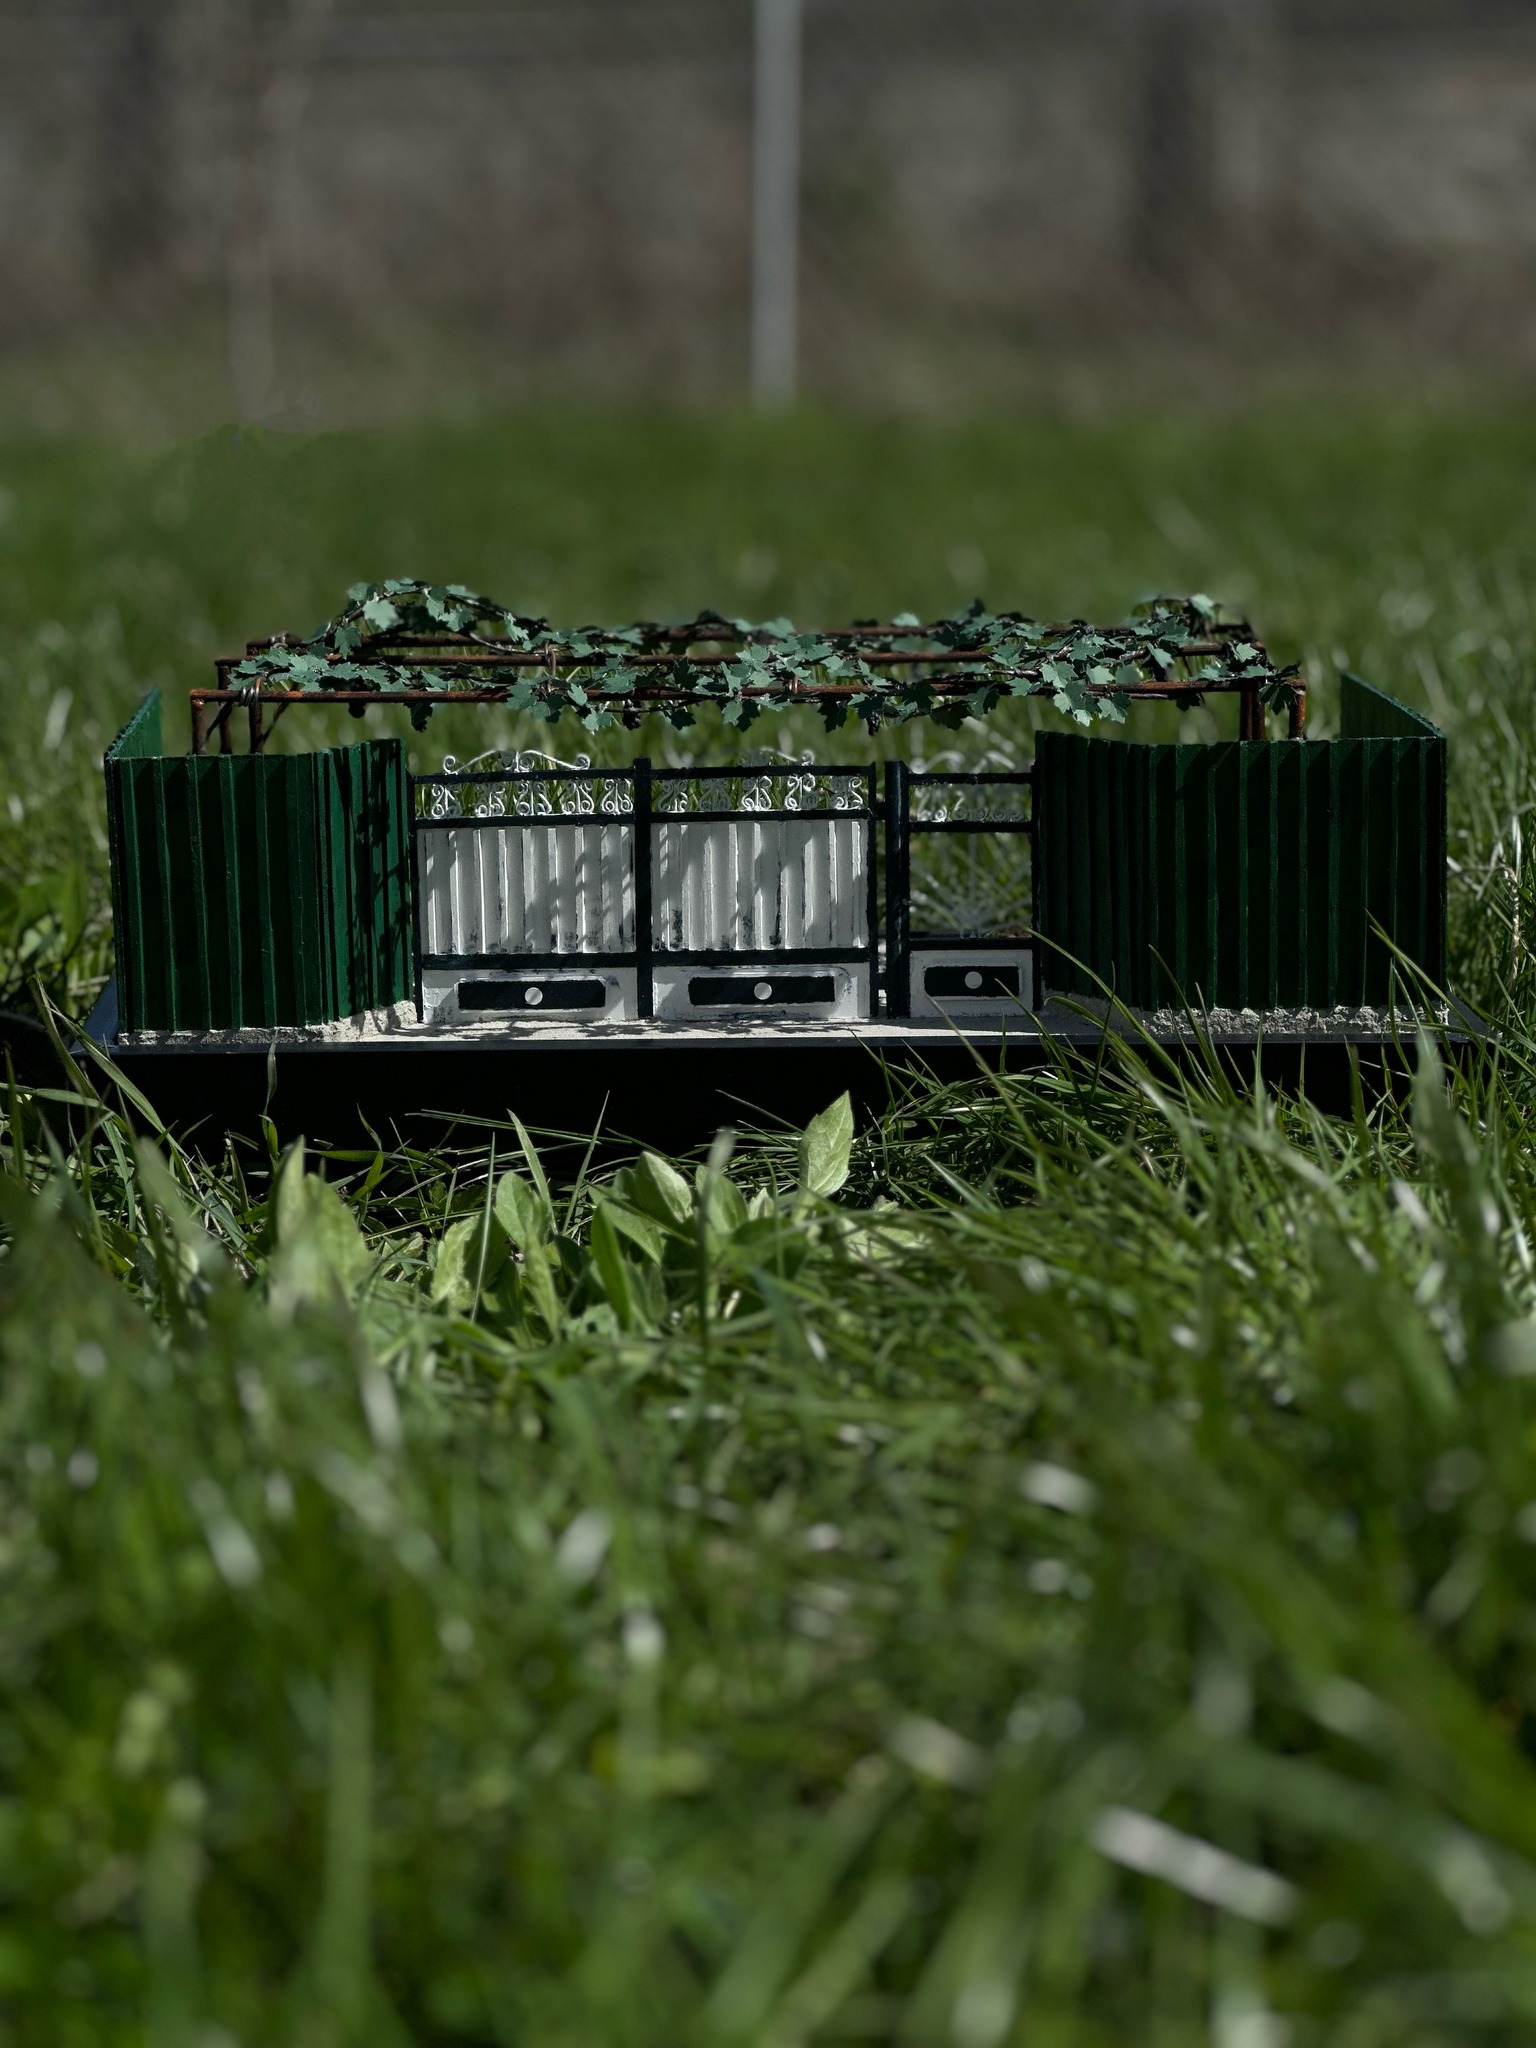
(257, 890)
(298, 778)
(1316, 774)
(140, 738)
(371, 826)
(1245, 874)
(133, 848)
(348, 937)
(1366, 713)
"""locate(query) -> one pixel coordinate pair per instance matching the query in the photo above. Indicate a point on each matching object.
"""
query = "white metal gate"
(488, 889)
(760, 885)
(637, 892)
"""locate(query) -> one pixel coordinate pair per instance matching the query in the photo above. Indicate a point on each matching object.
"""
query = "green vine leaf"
(746, 667)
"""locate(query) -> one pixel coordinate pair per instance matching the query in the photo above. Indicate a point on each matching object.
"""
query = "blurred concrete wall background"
(558, 190)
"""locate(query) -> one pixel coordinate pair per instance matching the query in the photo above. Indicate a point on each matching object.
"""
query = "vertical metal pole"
(776, 201)
(1036, 995)
(898, 894)
(872, 878)
(418, 890)
(645, 999)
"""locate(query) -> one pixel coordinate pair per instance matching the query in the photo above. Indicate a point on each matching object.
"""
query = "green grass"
(760, 1606)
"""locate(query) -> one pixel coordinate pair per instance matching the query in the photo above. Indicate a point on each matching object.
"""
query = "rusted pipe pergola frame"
(657, 696)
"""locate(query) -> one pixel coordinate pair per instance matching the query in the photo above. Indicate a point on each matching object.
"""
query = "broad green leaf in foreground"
(321, 1253)
(825, 1149)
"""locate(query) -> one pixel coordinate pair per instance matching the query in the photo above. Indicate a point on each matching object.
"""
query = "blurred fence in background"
(555, 195)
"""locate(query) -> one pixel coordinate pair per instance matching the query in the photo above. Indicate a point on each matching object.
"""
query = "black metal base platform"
(668, 1086)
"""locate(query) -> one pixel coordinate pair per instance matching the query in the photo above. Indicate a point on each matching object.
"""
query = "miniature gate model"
(703, 893)
(510, 896)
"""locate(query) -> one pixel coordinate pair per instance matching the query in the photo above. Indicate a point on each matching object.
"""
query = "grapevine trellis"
(424, 644)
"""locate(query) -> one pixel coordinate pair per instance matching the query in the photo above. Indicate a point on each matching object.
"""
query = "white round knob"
(973, 979)
(762, 990)
(533, 998)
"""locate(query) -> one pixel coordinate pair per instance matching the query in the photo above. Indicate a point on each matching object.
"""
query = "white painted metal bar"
(776, 201)
(763, 885)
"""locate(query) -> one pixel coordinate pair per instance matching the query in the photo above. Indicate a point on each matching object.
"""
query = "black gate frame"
(901, 827)
(644, 816)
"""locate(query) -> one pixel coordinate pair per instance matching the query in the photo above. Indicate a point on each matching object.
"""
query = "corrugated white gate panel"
(760, 886)
(557, 888)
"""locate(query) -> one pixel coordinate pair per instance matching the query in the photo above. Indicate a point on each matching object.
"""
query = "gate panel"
(525, 872)
(761, 885)
(490, 888)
